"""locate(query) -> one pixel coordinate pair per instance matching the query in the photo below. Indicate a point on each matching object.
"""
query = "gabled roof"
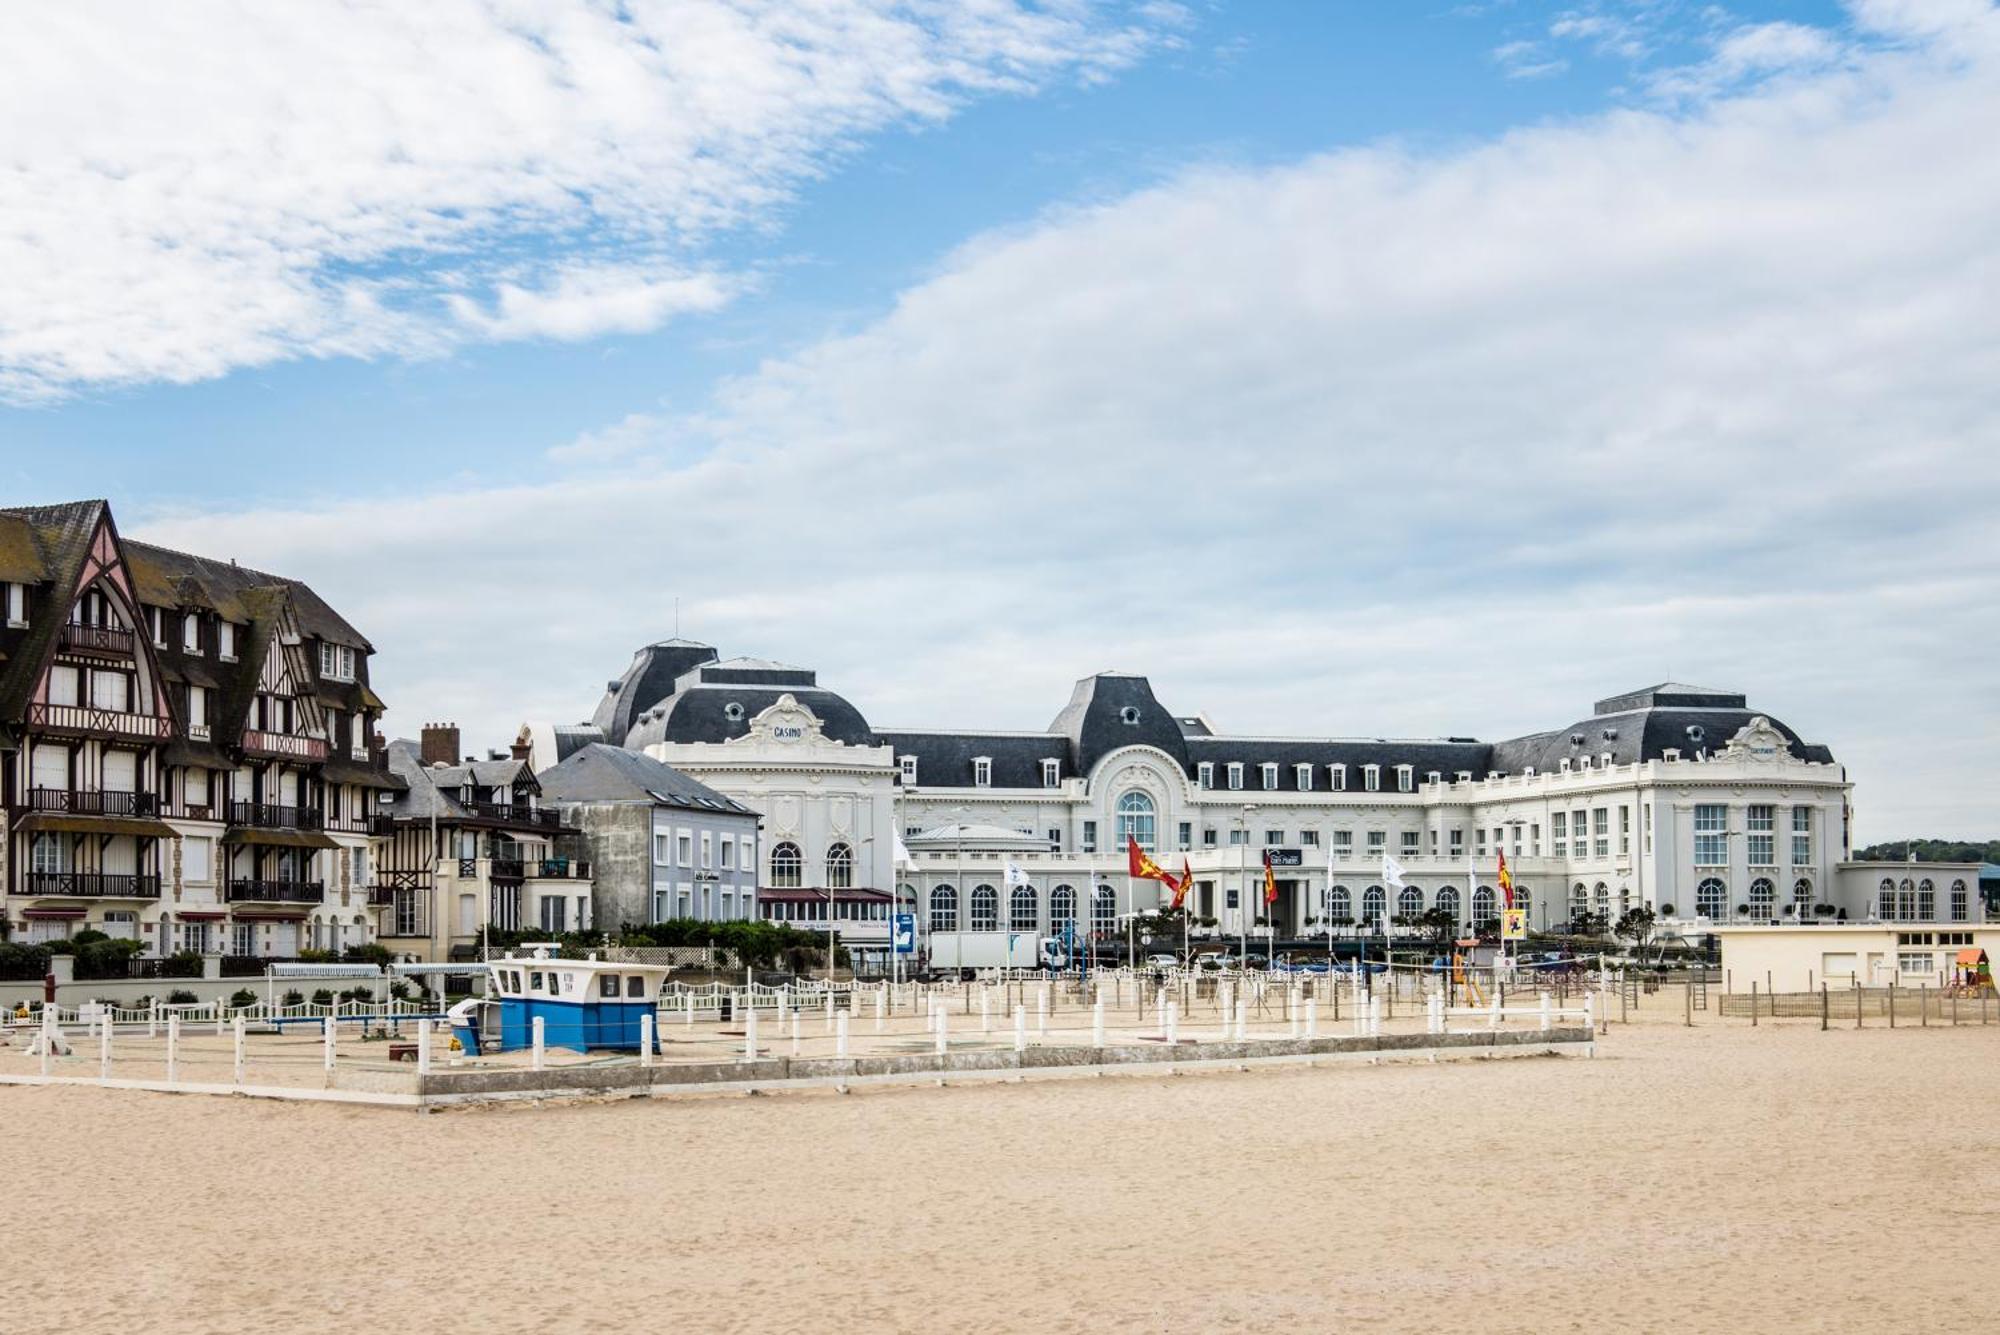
(167, 578)
(600, 773)
(60, 536)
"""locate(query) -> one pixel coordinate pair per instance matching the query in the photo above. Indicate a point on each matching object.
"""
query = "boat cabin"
(584, 1005)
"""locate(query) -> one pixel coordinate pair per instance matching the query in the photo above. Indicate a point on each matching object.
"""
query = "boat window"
(607, 985)
(535, 981)
(635, 986)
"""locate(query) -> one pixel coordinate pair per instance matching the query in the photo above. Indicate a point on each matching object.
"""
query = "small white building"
(1786, 957)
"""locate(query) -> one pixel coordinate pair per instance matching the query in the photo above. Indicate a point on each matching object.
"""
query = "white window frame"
(982, 771)
(1269, 773)
(1051, 773)
(1235, 776)
(225, 639)
(1405, 779)
(663, 848)
(17, 605)
(1205, 774)
(1371, 778)
(908, 768)
(1338, 777)
(1303, 776)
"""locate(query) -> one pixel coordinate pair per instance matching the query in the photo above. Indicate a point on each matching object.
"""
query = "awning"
(766, 895)
(245, 914)
(200, 915)
(53, 913)
(50, 820)
(279, 838)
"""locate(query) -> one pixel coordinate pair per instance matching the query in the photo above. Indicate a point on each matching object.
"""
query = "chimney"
(520, 751)
(440, 744)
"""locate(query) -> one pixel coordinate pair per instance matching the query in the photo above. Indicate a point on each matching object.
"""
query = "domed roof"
(649, 680)
(716, 702)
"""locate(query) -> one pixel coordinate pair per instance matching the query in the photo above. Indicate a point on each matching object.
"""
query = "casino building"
(1679, 798)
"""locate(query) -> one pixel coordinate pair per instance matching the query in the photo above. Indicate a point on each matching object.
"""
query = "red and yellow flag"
(1506, 881)
(1182, 886)
(1270, 881)
(1141, 865)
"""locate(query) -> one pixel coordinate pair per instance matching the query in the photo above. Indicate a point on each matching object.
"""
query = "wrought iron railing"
(516, 814)
(275, 892)
(73, 802)
(93, 885)
(271, 816)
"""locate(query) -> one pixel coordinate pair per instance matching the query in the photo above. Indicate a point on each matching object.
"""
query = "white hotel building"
(1681, 799)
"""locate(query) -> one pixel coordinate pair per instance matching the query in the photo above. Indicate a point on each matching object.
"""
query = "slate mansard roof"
(713, 700)
(600, 773)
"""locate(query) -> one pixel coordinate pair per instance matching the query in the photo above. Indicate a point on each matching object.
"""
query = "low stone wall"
(776, 1073)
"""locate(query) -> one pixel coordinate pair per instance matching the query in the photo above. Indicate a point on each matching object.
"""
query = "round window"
(733, 710)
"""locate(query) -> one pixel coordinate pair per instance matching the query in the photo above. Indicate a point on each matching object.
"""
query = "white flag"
(1392, 871)
(903, 859)
(1016, 876)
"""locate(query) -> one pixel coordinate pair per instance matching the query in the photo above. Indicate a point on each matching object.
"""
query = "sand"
(1718, 1178)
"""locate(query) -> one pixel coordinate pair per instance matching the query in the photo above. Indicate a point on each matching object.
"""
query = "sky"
(1349, 367)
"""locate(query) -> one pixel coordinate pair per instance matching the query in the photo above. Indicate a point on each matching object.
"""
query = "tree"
(1437, 926)
(1636, 925)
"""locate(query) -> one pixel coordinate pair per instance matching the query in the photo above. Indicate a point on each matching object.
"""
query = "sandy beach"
(1715, 1178)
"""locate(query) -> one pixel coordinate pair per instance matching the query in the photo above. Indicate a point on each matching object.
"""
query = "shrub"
(88, 936)
(399, 991)
(23, 963)
(242, 997)
(104, 958)
(186, 964)
(322, 997)
(180, 996)
(292, 997)
(63, 947)
(369, 953)
(361, 994)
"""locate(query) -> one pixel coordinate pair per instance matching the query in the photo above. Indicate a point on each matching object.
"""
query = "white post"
(829, 1008)
(986, 1010)
(797, 1023)
(104, 1049)
(173, 1050)
(424, 1042)
(326, 1040)
(688, 1016)
(218, 1018)
(1042, 1011)
(1172, 1027)
(1375, 1015)
(1242, 1020)
(540, 1032)
(1020, 1029)
(1312, 1018)
(1434, 1008)
(1548, 1013)
(153, 1020)
(881, 1008)
(1097, 1022)
(943, 1031)
(49, 1042)
(1291, 1018)
(1590, 1020)
(840, 1035)
(236, 1042)
(750, 1034)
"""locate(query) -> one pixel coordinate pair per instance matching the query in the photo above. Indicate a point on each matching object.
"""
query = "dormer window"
(1405, 779)
(1528, 773)
(1205, 774)
(1270, 776)
(1464, 776)
(225, 641)
(156, 623)
(336, 662)
(1493, 775)
(1434, 776)
(17, 604)
(908, 766)
(1338, 775)
(1371, 778)
(982, 771)
(1051, 773)
(1565, 764)
(1605, 760)
(1235, 775)
(1129, 716)
(1303, 776)
(191, 633)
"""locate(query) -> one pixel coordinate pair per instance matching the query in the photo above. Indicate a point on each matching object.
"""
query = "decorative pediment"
(786, 723)
(1758, 741)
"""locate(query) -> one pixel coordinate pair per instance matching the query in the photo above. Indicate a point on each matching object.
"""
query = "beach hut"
(1972, 970)
(584, 1005)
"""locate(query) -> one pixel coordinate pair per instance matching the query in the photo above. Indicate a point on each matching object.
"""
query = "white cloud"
(1372, 442)
(194, 187)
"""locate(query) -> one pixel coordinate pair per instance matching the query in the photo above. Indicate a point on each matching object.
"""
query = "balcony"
(559, 869)
(275, 892)
(70, 802)
(516, 815)
(92, 885)
(381, 896)
(78, 719)
(96, 640)
(284, 745)
(266, 816)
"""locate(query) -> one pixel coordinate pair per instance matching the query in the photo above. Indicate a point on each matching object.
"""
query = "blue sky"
(1349, 367)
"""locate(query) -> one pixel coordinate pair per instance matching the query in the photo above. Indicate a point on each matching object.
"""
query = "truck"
(956, 952)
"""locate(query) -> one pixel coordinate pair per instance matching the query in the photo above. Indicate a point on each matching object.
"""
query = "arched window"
(1374, 907)
(1411, 902)
(1711, 898)
(787, 867)
(1906, 900)
(985, 909)
(1579, 901)
(1021, 906)
(944, 909)
(1961, 907)
(1524, 899)
(1763, 899)
(1926, 900)
(1482, 906)
(1447, 899)
(1135, 819)
(1885, 900)
(1600, 900)
(1802, 899)
(1062, 908)
(1104, 910)
(840, 867)
(1340, 906)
